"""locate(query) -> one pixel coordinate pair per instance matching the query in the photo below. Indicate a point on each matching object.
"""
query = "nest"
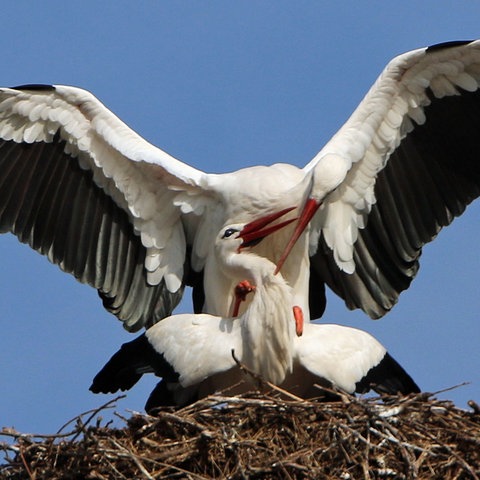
(262, 437)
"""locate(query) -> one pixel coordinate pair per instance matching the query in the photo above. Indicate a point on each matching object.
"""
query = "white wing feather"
(345, 170)
(197, 346)
(137, 175)
(341, 355)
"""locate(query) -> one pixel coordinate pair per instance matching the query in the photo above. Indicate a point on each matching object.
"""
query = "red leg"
(241, 292)
(298, 315)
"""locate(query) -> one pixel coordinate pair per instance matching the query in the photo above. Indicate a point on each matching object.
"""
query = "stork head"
(236, 237)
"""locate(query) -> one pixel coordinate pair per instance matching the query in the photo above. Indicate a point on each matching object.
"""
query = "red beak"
(254, 232)
(311, 206)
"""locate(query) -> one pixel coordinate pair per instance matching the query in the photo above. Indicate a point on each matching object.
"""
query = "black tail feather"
(388, 377)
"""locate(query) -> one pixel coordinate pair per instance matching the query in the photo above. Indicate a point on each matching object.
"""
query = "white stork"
(193, 352)
(81, 187)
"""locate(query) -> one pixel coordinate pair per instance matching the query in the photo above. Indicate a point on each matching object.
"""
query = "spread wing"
(82, 188)
(411, 153)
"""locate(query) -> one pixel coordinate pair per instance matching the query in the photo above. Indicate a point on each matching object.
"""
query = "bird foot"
(242, 289)
(298, 316)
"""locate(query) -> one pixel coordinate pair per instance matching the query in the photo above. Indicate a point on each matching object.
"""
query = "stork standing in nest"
(193, 352)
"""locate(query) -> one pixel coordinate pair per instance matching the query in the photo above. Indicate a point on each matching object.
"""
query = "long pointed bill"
(255, 231)
(311, 206)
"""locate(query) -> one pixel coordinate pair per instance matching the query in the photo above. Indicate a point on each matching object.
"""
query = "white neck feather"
(268, 326)
(268, 331)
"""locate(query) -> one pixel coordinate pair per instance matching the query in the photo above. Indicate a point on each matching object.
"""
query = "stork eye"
(229, 232)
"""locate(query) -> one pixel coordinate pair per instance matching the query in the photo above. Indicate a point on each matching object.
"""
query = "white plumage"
(195, 353)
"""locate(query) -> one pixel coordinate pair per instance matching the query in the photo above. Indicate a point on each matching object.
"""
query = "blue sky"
(222, 85)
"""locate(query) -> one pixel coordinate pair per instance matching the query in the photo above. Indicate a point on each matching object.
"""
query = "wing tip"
(388, 377)
(38, 87)
(124, 369)
(445, 45)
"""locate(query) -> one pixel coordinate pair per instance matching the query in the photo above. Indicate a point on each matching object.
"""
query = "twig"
(185, 421)
(10, 432)
(93, 412)
(450, 388)
(189, 473)
(393, 439)
(25, 464)
(135, 459)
